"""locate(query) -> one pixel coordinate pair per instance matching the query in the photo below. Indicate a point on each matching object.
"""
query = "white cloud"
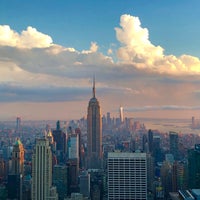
(30, 38)
(93, 48)
(109, 52)
(138, 50)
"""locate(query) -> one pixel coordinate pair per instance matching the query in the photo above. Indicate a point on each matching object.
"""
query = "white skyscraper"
(121, 114)
(127, 176)
(42, 172)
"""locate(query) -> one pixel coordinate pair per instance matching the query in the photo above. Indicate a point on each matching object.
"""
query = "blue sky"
(172, 24)
(145, 55)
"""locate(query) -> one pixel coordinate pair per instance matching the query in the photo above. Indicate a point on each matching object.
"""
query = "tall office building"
(18, 158)
(173, 142)
(127, 176)
(60, 139)
(42, 172)
(94, 132)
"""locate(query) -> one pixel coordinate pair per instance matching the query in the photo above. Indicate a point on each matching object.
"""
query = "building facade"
(127, 176)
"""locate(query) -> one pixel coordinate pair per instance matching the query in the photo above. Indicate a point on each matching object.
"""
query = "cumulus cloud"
(137, 49)
(29, 38)
(93, 48)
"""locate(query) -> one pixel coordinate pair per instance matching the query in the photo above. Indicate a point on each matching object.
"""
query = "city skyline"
(145, 57)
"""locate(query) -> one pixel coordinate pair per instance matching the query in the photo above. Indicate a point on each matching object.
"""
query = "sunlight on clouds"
(137, 49)
(11, 74)
(29, 38)
(136, 46)
(93, 48)
(109, 52)
(7, 36)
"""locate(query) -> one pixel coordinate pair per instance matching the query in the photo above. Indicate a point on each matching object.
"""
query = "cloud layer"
(35, 69)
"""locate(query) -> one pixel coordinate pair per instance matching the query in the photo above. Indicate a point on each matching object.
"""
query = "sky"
(145, 56)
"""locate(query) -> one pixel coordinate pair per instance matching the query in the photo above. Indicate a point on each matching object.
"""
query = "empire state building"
(94, 133)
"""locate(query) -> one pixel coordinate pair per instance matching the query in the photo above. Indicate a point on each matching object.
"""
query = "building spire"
(93, 90)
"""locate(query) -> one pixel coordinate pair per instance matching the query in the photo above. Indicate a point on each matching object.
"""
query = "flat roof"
(126, 155)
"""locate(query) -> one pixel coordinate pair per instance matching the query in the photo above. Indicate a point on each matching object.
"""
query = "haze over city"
(144, 54)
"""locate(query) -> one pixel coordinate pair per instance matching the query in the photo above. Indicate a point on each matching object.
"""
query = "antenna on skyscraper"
(93, 86)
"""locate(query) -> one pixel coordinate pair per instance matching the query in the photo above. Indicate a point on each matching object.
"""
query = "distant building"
(18, 129)
(94, 132)
(150, 141)
(127, 176)
(59, 137)
(173, 144)
(157, 153)
(121, 114)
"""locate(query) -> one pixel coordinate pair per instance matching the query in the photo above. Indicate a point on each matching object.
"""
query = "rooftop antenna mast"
(93, 90)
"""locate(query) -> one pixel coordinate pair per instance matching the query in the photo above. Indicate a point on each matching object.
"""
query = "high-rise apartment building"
(94, 132)
(42, 172)
(127, 176)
